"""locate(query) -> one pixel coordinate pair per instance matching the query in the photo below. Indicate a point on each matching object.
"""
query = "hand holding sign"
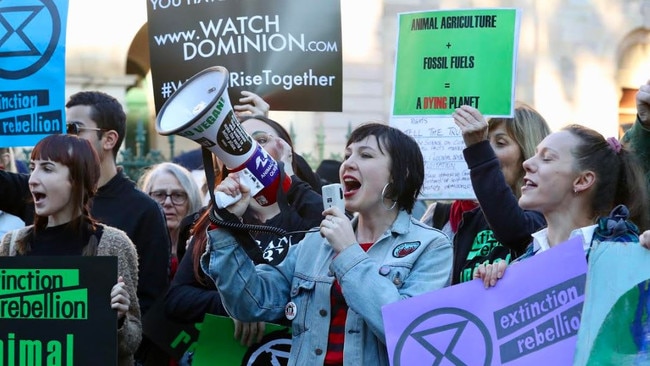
(472, 124)
(249, 333)
(120, 299)
(490, 273)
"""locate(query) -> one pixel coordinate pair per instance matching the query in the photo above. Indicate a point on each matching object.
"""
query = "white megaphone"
(200, 110)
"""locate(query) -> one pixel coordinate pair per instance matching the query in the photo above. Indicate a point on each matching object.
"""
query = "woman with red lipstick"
(333, 285)
(65, 171)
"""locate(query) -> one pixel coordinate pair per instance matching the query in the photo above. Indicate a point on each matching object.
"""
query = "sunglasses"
(75, 128)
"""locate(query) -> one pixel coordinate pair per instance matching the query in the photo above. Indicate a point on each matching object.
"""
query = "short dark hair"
(106, 111)
(407, 168)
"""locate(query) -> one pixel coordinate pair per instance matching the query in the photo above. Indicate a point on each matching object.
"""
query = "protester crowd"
(325, 273)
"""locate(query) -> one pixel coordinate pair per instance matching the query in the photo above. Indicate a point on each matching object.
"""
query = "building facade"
(579, 61)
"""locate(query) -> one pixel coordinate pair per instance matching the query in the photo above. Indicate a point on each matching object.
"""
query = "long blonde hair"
(528, 128)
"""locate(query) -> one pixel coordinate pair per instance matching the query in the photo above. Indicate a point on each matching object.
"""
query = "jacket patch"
(405, 249)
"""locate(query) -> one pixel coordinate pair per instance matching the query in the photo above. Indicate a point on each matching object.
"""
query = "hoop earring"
(383, 197)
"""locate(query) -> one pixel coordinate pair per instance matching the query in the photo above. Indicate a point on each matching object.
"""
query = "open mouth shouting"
(350, 186)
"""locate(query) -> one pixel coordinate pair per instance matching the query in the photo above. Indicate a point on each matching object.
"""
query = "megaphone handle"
(223, 200)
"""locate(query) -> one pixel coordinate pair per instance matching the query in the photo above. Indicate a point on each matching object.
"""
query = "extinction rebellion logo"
(40, 294)
(22, 22)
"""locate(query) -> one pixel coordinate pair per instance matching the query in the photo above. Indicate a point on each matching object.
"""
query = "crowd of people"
(325, 273)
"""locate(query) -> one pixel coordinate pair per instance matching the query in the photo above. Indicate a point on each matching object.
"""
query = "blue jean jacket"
(409, 259)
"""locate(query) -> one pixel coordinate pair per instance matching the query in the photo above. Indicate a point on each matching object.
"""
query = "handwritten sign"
(287, 51)
(32, 72)
(441, 143)
(450, 58)
(531, 317)
(56, 311)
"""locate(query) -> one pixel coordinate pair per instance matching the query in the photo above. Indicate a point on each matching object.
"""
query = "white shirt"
(540, 238)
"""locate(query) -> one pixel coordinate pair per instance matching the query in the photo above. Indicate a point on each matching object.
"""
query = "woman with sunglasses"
(173, 187)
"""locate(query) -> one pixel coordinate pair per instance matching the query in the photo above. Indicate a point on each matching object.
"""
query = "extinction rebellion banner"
(56, 311)
(286, 51)
(531, 317)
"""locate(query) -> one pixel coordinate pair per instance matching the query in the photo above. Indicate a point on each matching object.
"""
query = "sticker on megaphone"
(200, 110)
(261, 174)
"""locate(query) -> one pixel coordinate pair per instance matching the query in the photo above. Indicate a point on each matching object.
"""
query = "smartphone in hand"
(333, 196)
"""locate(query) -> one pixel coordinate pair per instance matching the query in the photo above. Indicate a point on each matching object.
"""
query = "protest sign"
(531, 316)
(217, 342)
(450, 58)
(56, 310)
(441, 143)
(32, 72)
(287, 51)
(445, 59)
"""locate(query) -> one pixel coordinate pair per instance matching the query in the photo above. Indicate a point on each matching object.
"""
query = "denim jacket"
(409, 259)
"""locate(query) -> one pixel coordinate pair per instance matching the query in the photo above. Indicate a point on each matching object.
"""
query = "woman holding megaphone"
(192, 294)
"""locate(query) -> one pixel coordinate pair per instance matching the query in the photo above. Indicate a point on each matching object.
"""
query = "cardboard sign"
(450, 58)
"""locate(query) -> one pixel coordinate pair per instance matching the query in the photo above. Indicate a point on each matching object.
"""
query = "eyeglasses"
(74, 128)
(262, 137)
(177, 197)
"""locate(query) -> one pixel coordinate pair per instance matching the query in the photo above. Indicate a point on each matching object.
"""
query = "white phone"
(333, 196)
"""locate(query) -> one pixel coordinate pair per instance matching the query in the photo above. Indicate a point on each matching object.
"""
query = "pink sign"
(531, 317)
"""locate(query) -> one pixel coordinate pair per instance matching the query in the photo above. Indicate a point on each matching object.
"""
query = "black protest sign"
(287, 51)
(56, 311)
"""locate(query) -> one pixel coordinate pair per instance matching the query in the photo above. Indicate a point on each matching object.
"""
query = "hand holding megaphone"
(233, 190)
(200, 110)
